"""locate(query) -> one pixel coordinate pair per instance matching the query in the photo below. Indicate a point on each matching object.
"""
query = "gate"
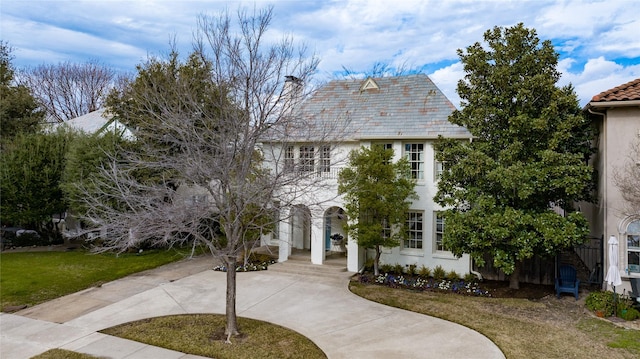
(592, 256)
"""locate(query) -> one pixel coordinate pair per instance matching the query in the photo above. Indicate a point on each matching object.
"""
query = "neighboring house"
(406, 113)
(94, 123)
(97, 122)
(617, 114)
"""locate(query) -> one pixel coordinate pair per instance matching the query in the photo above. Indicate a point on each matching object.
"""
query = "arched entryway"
(334, 222)
(300, 227)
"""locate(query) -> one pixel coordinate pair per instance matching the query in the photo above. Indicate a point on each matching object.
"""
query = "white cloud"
(598, 40)
(598, 75)
(447, 80)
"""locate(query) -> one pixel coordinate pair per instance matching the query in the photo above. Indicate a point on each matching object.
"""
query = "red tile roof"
(627, 92)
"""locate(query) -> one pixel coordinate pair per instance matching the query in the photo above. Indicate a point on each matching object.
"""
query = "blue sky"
(598, 41)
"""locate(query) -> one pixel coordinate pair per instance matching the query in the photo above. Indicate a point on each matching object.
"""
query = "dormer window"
(369, 84)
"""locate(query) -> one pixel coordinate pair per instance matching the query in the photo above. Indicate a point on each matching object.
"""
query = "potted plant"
(336, 239)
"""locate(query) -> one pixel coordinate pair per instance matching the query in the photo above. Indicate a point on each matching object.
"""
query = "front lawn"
(203, 334)
(546, 327)
(30, 278)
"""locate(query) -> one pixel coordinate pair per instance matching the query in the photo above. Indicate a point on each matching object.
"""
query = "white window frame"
(414, 152)
(632, 236)
(438, 231)
(307, 161)
(289, 158)
(325, 159)
(440, 167)
(415, 236)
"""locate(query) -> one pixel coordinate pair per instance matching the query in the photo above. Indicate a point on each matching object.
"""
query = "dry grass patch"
(522, 328)
(203, 334)
(62, 354)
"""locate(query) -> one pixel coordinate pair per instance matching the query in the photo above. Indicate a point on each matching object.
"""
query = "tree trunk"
(376, 262)
(232, 320)
(514, 278)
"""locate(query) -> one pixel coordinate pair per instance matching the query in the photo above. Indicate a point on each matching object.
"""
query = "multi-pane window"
(439, 231)
(414, 230)
(633, 246)
(386, 229)
(307, 160)
(440, 168)
(415, 154)
(386, 146)
(289, 158)
(325, 159)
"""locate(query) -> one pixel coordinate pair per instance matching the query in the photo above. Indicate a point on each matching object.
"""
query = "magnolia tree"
(530, 149)
(209, 132)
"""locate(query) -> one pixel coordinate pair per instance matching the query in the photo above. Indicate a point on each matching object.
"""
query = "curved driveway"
(342, 324)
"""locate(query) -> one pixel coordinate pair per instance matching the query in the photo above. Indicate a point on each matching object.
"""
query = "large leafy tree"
(31, 168)
(85, 156)
(198, 170)
(529, 153)
(378, 194)
(18, 108)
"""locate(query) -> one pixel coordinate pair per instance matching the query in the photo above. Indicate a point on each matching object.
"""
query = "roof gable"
(626, 92)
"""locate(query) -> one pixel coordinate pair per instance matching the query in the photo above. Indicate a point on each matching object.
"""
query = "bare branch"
(68, 90)
(210, 132)
(627, 179)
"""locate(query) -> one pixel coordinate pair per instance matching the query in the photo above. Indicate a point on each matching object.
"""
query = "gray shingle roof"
(403, 107)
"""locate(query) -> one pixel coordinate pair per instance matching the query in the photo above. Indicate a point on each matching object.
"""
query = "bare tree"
(212, 127)
(627, 179)
(68, 90)
(378, 69)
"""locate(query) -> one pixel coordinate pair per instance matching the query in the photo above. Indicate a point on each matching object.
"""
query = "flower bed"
(471, 288)
(249, 267)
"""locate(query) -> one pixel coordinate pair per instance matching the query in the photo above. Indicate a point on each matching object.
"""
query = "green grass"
(522, 328)
(203, 334)
(616, 337)
(30, 278)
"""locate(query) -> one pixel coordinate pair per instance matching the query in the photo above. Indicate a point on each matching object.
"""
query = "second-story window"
(307, 160)
(415, 154)
(440, 168)
(289, 158)
(325, 159)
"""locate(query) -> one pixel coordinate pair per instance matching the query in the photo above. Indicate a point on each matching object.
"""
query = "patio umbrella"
(613, 274)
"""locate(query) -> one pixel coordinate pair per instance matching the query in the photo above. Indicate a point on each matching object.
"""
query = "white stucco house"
(617, 114)
(406, 113)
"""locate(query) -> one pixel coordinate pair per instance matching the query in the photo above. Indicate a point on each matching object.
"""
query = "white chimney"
(291, 93)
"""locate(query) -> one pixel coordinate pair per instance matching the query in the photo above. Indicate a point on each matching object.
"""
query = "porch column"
(317, 238)
(284, 242)
(355, 256)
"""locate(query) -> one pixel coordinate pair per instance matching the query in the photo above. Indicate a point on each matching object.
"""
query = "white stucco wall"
(327, 197)
(619, 130)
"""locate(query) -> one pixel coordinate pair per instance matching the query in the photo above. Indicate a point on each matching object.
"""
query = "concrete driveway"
(342, 324)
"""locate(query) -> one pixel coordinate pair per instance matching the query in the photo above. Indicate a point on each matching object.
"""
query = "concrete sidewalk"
(342, 324)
